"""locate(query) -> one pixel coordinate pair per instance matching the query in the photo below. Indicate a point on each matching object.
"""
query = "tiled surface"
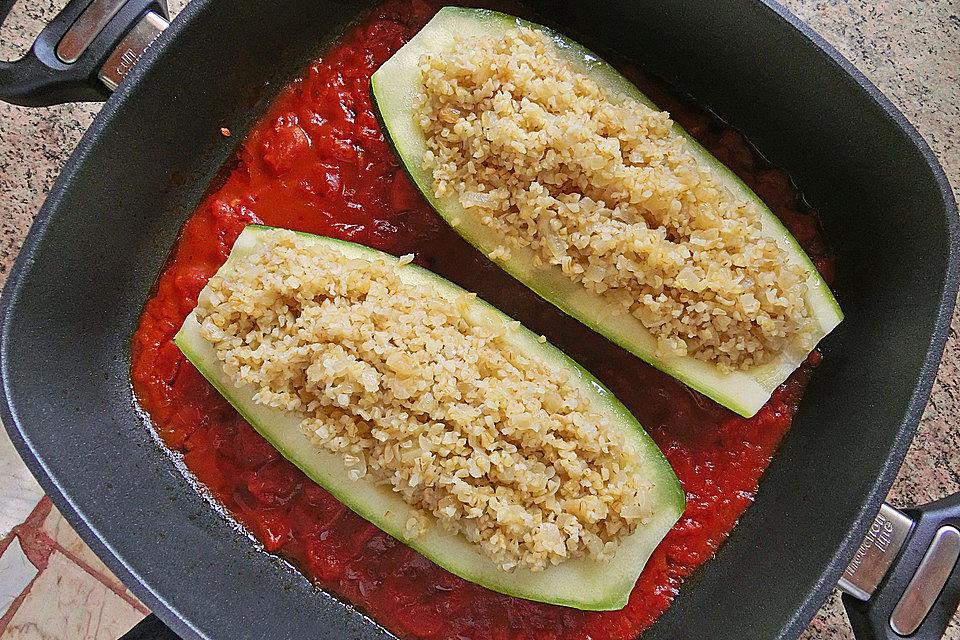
(909, 48)
(64, 602)
(52, 587)
(19, 492)
(17, 573)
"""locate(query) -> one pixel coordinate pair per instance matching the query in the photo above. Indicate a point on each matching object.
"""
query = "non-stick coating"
(78, 287)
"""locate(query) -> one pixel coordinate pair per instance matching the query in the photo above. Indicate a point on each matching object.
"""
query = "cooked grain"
(601, 186)
(491, 442)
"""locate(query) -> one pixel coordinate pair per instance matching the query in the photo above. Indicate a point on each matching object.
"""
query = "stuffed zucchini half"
(397, 89)
(576, 582)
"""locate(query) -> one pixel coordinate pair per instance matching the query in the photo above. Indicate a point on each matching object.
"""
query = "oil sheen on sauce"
(318, 162)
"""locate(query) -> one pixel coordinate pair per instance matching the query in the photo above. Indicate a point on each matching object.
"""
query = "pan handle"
(904, 581)
(83, 53)
(150, 628)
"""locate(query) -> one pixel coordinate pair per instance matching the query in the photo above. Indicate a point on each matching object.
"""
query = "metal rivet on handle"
(131, 48)
(875, 555)
(86, 28)
(927, 583)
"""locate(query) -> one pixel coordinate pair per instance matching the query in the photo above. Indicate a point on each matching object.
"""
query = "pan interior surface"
(71, 305)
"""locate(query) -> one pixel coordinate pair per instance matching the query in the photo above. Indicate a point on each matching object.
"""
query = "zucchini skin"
(580, 583)
(392, 89)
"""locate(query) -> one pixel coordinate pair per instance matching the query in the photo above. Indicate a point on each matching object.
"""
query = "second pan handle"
(904, 580)
(83, 53)
(150, 628)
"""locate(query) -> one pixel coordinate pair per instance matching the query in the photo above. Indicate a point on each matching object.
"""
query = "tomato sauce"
(318, 162)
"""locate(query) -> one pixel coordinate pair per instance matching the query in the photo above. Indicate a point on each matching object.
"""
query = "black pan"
(87, 266)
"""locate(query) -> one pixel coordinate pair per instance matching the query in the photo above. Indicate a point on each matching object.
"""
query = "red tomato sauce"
(318, 162)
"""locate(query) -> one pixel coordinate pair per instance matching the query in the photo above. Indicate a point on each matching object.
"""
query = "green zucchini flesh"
(394, 89)
(581, 583)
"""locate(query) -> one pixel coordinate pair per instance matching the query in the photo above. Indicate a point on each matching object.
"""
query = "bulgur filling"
(491, 442)
(600, 186)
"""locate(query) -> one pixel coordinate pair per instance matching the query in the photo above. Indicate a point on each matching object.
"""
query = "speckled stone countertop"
(908, 48)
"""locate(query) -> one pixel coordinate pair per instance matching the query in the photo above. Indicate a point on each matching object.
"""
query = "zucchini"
(394, 89)
(581, 583)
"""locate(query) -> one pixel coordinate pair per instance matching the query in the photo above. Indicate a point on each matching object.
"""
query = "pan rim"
(928, 374)
(167, 611)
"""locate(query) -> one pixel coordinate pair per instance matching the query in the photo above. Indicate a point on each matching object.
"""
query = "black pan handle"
(83, 53)
(904, 581)
(150, 628)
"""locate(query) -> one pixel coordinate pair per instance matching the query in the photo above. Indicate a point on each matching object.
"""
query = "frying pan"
(76, 291)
